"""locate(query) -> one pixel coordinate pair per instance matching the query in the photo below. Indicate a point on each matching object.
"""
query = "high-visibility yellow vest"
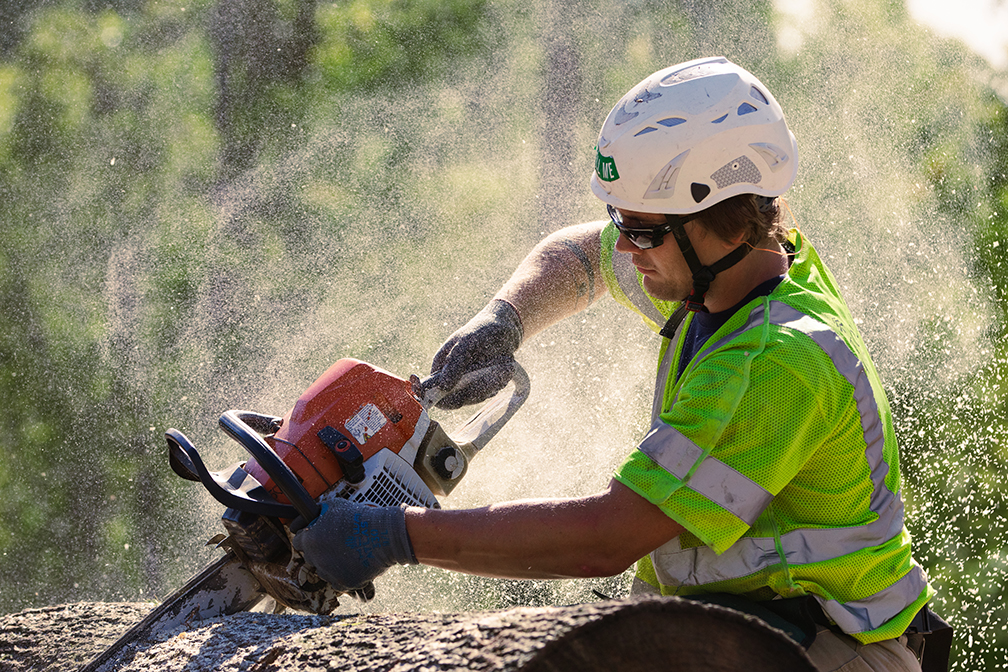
(774, 448)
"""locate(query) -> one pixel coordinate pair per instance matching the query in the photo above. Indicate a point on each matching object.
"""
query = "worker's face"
(666, 274)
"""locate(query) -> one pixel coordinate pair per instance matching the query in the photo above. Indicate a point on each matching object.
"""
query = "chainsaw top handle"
(236, 424)
(429, 393)
(491, 418)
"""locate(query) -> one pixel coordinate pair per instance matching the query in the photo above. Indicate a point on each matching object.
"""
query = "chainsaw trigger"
(306, 576)
(365, 594)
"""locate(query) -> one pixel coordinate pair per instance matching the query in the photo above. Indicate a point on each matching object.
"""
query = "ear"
(695, 227)
(731, 243)
(737, 240)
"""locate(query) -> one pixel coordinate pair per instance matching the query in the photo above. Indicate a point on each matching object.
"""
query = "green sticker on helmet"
(605, 167)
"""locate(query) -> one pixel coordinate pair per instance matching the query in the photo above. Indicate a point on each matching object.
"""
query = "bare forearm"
(528, 539)
(558, 278)
(598, 535)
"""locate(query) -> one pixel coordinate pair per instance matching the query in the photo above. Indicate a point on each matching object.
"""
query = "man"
(770, 470)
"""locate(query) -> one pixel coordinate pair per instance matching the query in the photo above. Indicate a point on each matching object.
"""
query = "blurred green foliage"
(366, 43)
(203, 204)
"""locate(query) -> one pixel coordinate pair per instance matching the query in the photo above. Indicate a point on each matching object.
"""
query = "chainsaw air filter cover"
(350, 413)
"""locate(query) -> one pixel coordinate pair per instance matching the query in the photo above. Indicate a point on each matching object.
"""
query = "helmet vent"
(699, 191)
(663, 185)
(741, 170)
(758, 95)
(667, 123)
(745, 108)
(775, 157)
(720, 119)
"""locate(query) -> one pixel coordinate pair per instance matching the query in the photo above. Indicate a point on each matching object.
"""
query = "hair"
(755, 216)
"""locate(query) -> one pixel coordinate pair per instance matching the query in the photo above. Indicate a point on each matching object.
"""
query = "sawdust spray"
(422, 248)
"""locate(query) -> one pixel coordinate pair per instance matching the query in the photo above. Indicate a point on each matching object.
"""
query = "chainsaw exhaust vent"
(388, 481)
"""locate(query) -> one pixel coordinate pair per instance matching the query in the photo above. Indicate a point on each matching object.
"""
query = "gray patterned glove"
(488, 341)
(350, 543)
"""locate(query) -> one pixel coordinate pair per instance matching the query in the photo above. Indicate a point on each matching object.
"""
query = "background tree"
(257, 54)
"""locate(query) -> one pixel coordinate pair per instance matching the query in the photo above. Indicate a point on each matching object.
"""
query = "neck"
(767, 260)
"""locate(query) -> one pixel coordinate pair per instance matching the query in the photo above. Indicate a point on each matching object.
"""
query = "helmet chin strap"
(702, 275)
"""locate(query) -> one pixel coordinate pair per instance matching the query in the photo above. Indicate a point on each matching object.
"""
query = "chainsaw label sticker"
(366, 423)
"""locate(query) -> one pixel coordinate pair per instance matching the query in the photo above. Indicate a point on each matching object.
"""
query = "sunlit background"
(204, 204)
(981, 24)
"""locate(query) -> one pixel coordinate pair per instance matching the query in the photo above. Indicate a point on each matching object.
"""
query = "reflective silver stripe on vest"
(712, 478)
(698, 566)
(626, 278)
(850, 367)
(873, 611)
(701, 565)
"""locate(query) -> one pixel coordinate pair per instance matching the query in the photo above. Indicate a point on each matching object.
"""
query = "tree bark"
(628, 635)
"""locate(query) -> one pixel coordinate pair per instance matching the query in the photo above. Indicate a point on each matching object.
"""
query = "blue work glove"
(350, 543)
(488, 341)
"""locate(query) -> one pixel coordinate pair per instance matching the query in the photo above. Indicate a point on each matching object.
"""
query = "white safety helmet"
(690, 136)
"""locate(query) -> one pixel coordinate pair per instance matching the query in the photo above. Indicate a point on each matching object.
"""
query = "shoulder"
(773, 348)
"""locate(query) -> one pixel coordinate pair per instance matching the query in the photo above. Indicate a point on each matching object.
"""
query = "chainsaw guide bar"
(222, 588)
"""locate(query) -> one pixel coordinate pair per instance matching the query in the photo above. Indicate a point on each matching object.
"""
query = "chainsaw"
(357, 432)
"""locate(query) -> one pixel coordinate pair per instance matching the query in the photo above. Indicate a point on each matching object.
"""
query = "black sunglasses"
(645, 238)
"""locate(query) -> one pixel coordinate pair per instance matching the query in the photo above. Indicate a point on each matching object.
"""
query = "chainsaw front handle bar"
(222, 485)
(236, 425)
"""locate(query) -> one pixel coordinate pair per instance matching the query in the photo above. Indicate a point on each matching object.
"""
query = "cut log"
(670, 633)
(627, 635)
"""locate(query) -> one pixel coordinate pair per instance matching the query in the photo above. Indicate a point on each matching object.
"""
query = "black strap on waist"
(799, 618)
(937, 636)
(794, 616)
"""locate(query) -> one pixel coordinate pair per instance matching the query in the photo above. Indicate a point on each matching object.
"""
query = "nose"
(624, 245)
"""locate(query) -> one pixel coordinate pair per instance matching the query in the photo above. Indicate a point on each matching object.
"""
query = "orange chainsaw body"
(352, 402)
